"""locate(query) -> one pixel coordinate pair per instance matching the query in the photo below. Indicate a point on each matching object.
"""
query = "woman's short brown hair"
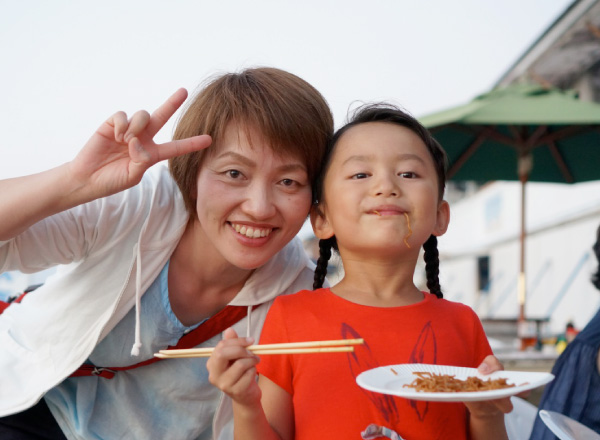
(290, 114)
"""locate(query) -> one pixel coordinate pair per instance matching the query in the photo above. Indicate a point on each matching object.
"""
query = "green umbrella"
(521, 132)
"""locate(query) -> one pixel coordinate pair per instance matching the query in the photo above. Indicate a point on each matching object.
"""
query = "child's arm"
(273, 420)
(262, 410)
(486, 419)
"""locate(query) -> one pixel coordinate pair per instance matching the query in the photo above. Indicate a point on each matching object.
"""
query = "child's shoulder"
(299, 298)
(445, 304)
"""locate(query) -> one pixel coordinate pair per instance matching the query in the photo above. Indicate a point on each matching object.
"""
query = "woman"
(144, 263)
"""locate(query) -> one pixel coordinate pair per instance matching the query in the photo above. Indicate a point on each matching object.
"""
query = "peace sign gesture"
(114, 159)
(117, 155)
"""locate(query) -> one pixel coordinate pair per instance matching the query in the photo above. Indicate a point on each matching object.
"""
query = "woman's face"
(250, 202)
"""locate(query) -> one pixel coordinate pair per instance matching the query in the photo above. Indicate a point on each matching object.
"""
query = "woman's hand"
(486, 418)
(117, 155)
(114, 159)
(232, 369)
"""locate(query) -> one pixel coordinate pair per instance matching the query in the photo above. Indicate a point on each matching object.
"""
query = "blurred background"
(69, 65)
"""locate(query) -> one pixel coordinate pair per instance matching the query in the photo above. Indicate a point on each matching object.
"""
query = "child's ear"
(443, 219)
(321, 227)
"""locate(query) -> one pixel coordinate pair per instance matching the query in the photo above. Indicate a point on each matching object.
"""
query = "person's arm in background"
(114, 159)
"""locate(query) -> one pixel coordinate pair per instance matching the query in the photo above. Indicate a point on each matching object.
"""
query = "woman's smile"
(253, 201)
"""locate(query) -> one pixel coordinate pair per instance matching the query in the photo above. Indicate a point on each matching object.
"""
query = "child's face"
(379, 173)
(250, 202)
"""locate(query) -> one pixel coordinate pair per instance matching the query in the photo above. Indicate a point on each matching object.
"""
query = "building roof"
(568, 50)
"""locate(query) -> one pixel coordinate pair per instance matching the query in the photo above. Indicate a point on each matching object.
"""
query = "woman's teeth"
(251, 232)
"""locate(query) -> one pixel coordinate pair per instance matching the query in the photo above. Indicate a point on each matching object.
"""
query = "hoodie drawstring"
(249, 321)
(135, 350)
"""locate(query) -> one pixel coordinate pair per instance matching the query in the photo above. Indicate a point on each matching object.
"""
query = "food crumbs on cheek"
(409, 230)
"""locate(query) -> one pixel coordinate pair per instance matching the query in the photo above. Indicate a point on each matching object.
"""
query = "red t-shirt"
(328, 404)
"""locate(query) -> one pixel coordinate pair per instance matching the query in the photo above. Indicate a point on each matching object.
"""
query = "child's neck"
(378, 285)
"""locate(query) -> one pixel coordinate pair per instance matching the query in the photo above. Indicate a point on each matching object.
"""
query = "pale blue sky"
(68, 65)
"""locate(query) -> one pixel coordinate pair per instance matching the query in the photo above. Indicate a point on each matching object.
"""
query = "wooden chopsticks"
(335, 346)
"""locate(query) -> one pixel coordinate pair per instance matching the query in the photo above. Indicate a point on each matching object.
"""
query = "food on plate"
(446, 383)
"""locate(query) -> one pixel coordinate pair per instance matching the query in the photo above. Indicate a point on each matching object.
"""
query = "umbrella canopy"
(485, 138)
(521, 132)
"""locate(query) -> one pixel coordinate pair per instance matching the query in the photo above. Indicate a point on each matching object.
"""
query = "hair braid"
(324, 256)
(432, 266)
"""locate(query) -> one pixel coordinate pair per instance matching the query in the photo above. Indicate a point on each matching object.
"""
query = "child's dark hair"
(383, 112)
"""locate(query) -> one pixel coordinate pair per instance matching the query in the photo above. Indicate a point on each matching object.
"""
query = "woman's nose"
(259, 203)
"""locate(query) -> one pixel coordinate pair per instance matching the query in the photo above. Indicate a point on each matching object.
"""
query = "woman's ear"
(443, 219)
(321, 226)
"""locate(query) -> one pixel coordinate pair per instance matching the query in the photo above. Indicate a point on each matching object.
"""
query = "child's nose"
(386, 187)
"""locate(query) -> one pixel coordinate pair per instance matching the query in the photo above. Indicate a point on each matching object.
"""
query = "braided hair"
(325, 247)
(432, 266)
(383, 112)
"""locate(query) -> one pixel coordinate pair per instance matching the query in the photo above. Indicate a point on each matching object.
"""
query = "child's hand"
(232, 369)
(488, 416)
(486, 408)
(122, 149)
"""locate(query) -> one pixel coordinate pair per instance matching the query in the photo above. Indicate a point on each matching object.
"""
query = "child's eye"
(407, 175)
(360, 176)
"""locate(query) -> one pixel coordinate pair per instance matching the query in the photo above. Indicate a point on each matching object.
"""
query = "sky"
(66, 66)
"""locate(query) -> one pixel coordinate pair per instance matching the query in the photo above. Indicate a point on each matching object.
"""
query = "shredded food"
(409, 230)
(407, 223)
(446, 383)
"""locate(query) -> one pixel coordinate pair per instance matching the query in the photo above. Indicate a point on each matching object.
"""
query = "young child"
(379, 198)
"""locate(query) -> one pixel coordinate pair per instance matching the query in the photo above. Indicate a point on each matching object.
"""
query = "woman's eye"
(288, 182)
(234, 174)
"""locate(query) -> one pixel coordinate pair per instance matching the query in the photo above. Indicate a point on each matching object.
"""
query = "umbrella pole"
(522, 286)
(525, 164)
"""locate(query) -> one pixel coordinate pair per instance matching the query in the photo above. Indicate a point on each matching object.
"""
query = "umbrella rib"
(485, 130)
(564, 132)
(468, 152)
(564, 169)
(539, 131)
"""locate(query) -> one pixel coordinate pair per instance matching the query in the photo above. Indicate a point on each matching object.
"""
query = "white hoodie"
(102, 247)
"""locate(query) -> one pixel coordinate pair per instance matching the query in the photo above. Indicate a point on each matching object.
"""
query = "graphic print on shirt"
(424, 352)
(362, 359)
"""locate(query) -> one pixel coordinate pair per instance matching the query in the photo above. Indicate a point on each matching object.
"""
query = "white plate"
(384, 380)
(565, 428)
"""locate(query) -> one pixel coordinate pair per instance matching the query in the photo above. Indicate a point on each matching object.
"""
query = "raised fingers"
(137, 124)
(163, 113)
(120, 124)
(183, 146)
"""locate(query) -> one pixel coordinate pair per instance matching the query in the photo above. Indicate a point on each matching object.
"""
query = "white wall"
(561, 222)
